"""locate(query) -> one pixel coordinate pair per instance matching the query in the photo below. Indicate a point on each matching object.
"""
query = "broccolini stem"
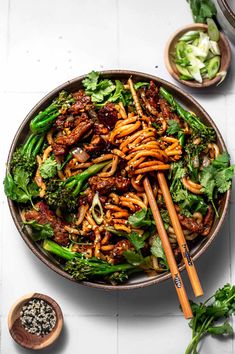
(68, 158)
(27, 144)
(44, 119)
(77, 180)
(34, 147)
(58, 250)
(41, 126)
(194, 122)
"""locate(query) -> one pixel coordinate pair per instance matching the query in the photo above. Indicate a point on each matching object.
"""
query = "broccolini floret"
(86, 269)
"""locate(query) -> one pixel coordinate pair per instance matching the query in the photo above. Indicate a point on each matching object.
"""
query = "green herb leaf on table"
(225, 328)
(202, 9)
(209, 315)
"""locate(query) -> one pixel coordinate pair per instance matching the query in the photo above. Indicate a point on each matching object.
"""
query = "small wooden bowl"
(26, 339)
(170, 50)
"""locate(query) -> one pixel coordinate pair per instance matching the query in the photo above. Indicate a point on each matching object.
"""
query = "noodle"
(122, 143)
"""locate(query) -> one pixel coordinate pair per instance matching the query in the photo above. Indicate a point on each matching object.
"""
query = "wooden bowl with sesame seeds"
(17, 326)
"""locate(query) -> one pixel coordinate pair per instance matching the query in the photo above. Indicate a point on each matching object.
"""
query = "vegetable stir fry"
(78, 177)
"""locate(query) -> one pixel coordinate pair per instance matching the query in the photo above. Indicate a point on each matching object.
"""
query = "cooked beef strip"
(97, 144)
(120, 247)
(83, 103)
(190, 224)
(149, 96)
(100, 129)
(166, 110)
(106, 185)
(62, 142)
(44, 216)
(108, 115)
(64, 121)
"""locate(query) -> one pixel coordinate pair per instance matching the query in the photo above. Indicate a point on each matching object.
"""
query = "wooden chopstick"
(192, 273)
(179, 286)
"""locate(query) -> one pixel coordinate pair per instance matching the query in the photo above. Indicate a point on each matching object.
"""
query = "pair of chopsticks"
(192, 273)
(179, 286)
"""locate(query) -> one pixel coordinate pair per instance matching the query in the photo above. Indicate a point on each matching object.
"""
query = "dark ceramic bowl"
(73, 85)
(226, 17)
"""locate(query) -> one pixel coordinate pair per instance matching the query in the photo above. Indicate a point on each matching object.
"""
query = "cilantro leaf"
(208, 181)
(202, 9)
(158, 252)
(217, 177)
(207, 315)
(39, 231)
(18, 187)
(91, 80)
(173, 127)
(133, 258)
(48, 168)
(139, 84)
(223, 179)
(118, 91)
(103, 89)
(225, 328)
(137, 240)
(221, 160)
(141, 218)
(165, 218)
(10, 187)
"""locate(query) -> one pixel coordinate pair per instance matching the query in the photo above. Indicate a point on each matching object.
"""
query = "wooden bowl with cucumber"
(198, 55)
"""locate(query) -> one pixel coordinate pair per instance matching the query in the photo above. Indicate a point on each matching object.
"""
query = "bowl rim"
(13, 206)
(227, 11)
(194, 83)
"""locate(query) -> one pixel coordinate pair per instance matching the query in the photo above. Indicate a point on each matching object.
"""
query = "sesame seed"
(38, 317)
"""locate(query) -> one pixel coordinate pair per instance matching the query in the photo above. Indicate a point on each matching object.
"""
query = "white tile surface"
(89, 334)
(166, 335)
(44, 43)
(56, 42)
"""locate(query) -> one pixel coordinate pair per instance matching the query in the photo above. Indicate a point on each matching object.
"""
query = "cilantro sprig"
(103, 91)
(217, 177)
(210, 317)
